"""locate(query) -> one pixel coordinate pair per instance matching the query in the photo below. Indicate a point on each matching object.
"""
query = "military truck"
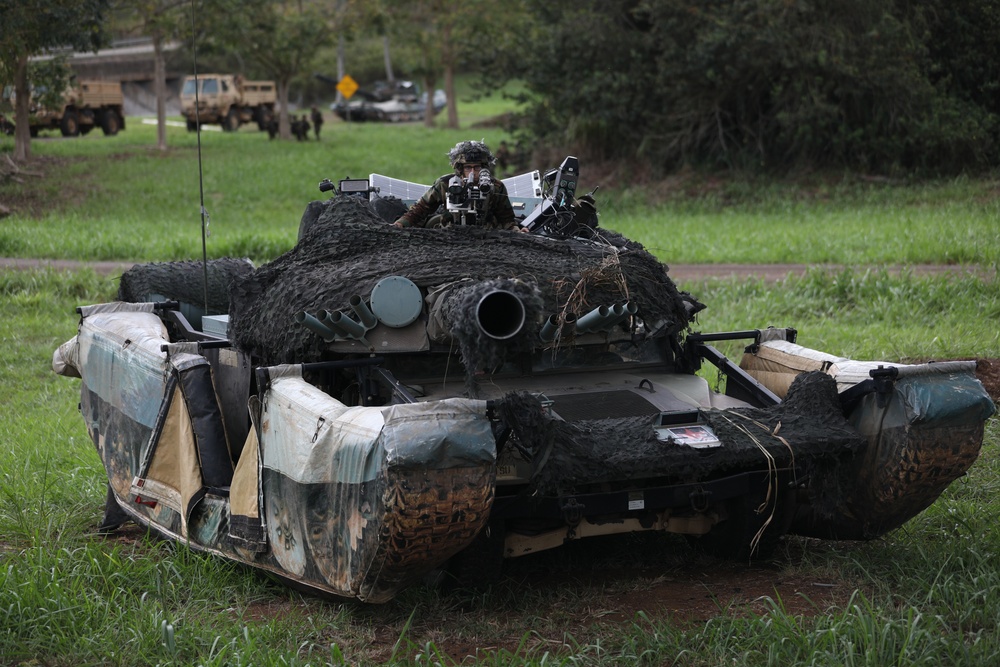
(85, 105)
(227, 100)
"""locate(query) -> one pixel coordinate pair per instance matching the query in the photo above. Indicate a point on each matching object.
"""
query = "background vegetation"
(875, 85)
(878, 86)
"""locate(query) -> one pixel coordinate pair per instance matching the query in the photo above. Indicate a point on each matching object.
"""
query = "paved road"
(679, 272)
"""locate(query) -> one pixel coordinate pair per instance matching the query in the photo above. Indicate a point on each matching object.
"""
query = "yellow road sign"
(347, 86)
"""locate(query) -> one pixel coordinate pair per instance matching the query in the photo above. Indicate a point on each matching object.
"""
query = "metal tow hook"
(699, 500)
(572, 511)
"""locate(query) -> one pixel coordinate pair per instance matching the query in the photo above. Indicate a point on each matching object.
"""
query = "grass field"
(926, 594)
(139, 204)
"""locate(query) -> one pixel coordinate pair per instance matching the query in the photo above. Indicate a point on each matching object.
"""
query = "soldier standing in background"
(317, 120)
(503, 159)
(300, 127)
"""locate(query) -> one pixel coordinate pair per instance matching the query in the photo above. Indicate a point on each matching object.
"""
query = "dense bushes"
(876, 85)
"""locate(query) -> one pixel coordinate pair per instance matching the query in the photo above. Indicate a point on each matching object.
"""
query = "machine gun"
(467, 197)
(558, 214)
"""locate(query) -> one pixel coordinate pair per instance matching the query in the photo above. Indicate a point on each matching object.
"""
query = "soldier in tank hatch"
(467, 196)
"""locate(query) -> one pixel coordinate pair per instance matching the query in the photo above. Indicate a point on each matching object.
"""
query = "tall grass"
(864, 314)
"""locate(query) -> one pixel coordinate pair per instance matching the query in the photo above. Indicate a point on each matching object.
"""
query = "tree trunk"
(448, 60)
(449, 91)
(429, 82)
(160, 89)
(22, 133)
(388, 59)
(284, 124)
(340, 67)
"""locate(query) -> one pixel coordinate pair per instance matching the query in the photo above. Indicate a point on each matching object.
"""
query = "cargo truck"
(84, 106)
(227, 100)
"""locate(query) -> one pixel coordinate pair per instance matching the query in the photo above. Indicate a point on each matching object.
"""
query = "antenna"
(201, 181)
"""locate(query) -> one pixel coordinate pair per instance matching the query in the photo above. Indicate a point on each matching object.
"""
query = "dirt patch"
(988, 372)
(29, 192)
(586, 588)
(661, 576)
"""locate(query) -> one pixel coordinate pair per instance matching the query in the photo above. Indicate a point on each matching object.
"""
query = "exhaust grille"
(602, 405)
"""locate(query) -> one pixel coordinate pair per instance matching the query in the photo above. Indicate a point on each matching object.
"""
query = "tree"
(29, 28)
(764, 84)
(281, 37)
(428, 28)
(160, 20)
(435, 40)
(49, 77)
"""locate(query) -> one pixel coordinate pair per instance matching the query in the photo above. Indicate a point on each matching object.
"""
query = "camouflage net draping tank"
(350, 248)
(309, 417)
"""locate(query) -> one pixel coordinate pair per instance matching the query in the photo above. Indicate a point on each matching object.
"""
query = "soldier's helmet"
(471, 152)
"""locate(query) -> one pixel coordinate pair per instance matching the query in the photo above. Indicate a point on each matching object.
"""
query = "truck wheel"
(110, 123)
(69, 125)
(232, 121)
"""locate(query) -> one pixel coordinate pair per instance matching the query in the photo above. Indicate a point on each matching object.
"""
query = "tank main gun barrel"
(494, 313)
(500, 314)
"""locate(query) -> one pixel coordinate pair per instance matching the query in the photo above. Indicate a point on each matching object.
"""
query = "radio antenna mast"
(201, 181)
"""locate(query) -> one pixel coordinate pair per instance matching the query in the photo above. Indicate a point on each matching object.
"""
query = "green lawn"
(119, 199)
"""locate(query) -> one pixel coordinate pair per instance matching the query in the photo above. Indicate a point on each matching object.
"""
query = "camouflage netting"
(570, 457)
(477, 349)
(349, 249)
(184, 282)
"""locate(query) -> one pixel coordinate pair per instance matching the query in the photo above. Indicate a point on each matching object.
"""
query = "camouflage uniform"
(497, 213)
(431, 209)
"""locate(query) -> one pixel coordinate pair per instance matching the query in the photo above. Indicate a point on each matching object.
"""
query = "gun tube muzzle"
(363, 312)
(353, 329)
(548, 331)
(314, 325)
(326, 319)
(500, 314)
(621, 312)
(594, 320)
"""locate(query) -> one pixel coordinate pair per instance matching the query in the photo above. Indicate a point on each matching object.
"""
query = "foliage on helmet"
(471, 152)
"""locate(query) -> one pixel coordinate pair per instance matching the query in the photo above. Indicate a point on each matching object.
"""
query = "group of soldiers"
(300, 125)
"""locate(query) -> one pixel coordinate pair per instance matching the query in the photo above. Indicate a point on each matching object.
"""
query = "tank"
(387, 102)
(378, 405)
